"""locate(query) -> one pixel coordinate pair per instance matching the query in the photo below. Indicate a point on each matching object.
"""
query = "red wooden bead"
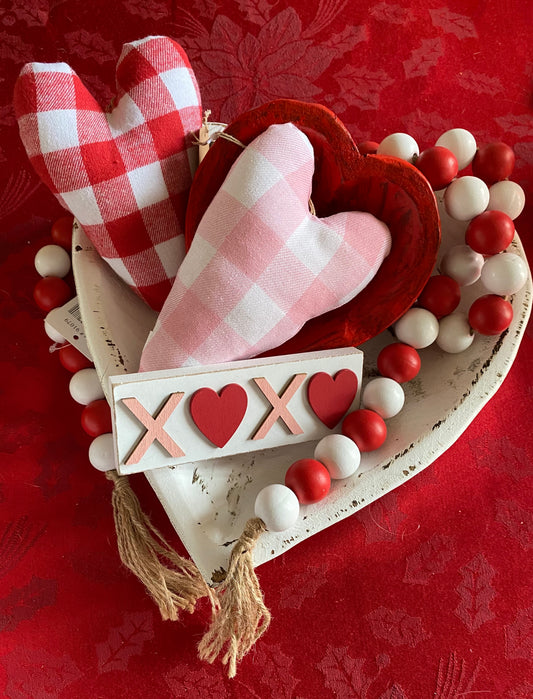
(309, 480)
(490, 315)
(62, 232)
(368, 147)
(96, 418)
(51, 292)
(73, 360)
(490, 233)
(366, 428)
(439, 165)
(493, 162)
(441, 295)
(399, 362)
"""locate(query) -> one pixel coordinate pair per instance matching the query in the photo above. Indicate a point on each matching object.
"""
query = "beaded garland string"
(487, 200)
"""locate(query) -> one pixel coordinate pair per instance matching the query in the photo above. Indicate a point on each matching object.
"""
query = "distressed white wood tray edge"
(208, 503)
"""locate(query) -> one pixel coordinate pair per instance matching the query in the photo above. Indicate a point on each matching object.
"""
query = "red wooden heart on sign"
(217, 415)
(331, 398)
(391, 189)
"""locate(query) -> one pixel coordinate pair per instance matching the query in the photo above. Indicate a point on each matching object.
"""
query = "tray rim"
(393, 471)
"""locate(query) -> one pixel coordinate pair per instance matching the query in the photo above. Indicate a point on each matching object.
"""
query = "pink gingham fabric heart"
(260, 264)
(124, 174)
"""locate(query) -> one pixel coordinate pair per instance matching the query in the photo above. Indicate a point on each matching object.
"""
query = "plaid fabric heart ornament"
(124, 174)
(260, 264)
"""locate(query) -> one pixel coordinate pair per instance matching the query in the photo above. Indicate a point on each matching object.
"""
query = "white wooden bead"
(52, 261)
(455, 334)
(102, 453)
(466, 197)
(455, 230)
(399, 145)
(508, 197)
(504, 274)
(52, 333)
(339, 454)
(85, 386)
(385, 396)
(463, 264)
(418, 328)
(278, 507)
(461, 143)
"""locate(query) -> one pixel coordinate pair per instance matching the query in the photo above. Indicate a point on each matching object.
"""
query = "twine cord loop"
(204, 141)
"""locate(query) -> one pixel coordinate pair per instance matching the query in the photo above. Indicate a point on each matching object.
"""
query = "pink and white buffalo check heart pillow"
(260, 264)
(124, 174)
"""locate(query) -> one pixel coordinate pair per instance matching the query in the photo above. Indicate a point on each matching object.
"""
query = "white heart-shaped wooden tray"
(209, 502)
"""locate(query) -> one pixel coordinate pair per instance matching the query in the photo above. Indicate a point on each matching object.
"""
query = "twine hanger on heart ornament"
(210, 131)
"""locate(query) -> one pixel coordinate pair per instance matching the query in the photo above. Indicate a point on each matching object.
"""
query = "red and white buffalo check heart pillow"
(260, 264)
(124, 174)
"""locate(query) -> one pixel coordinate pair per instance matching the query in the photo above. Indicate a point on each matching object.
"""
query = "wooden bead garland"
(490, 212)
(277, 506)
(489, 201)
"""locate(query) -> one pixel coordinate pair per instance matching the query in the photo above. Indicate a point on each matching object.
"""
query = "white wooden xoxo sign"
(164, 418)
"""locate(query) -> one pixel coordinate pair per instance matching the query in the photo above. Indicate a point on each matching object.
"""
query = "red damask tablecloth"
(425, 593)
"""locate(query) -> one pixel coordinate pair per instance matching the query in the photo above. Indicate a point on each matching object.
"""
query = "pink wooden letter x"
(154, 427)
(279, 405)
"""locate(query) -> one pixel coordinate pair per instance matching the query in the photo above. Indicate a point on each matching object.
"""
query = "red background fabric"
(425, 593)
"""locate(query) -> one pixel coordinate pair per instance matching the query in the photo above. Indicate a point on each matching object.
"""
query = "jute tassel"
(143, 550)
(243, 616)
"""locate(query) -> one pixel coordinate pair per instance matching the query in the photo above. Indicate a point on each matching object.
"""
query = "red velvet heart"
(391, 189)
(218, 415)
(330, 398)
